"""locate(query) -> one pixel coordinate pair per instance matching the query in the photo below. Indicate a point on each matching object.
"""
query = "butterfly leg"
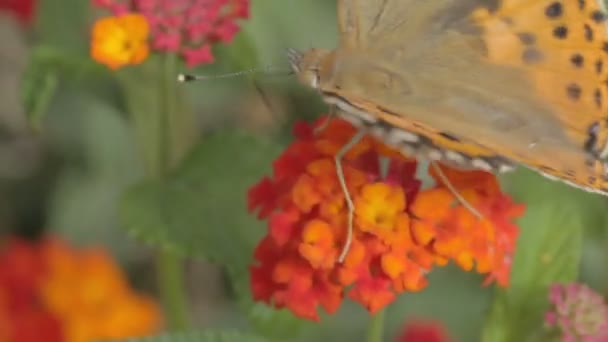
(325, 124)
(453, 190)
(349, 201)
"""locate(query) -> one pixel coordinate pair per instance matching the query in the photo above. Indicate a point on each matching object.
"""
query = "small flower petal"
(120, 41)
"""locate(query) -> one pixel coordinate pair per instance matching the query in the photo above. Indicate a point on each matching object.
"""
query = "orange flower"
(51, 292)
(318, 245)
(120, 41)
(379, 208)
(399, 232)
(92, 297)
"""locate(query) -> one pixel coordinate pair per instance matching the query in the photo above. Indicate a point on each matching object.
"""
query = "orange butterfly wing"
(482, 79)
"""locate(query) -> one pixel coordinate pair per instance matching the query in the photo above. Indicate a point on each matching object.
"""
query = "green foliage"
(200, 211)
(40, 81)
(39, 84)
(242, 54)
(207, 336)
(272, 322)
(548, 251)
(104, 162)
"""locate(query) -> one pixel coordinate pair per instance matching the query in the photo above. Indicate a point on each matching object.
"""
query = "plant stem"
(169, 98)
(170, 266)
(170, 281)
(375, 331)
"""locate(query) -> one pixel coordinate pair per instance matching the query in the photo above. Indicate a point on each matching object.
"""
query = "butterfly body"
(475, 84)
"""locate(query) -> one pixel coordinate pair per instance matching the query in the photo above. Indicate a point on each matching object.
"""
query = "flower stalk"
(170, 266)
(172, 290)
(375, 331)
(165, 131)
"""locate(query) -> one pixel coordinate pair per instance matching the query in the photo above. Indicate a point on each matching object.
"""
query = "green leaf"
(273, 323)
(39, 84)
(41, 79)
(64, 24)
(201, 209)
(242, 53)
(82, 204)
(548, 251)
(206, 336)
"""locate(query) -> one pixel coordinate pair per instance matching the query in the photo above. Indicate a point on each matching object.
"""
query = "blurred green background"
(68, 176)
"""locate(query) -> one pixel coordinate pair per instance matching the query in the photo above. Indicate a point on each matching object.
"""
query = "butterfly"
(474, 84)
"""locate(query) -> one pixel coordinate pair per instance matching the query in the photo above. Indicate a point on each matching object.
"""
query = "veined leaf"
(201, 211)
(548, 251)
(41, 79)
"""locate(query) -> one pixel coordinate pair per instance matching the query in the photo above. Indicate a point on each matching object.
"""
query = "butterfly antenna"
(456, 194)
(266, 70)
(349, 201)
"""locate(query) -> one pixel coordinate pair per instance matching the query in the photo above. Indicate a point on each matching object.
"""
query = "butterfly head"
(309, 65)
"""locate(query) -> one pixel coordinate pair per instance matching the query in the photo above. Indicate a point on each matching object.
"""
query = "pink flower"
(578, 313)
(200, 55)
(187, 27)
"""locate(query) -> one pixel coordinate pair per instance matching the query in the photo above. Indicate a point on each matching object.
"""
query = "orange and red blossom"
(90, 294)
(50, 291)
(400, 232)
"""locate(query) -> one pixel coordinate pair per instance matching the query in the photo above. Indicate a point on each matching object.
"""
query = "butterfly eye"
(314, 78)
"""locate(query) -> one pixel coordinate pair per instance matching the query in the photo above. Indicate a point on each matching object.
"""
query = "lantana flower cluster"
(577, 313)
(400, 232)
(52, 292)
(186, 27)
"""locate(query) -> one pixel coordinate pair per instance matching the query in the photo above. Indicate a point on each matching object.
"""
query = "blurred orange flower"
(92, 296)
(121, 40)
(52, 292)
(399, 232)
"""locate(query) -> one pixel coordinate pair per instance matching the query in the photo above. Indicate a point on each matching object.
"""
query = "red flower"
(23, 317)
(21, 270)
(424, 332)
(35, 325)
(399, 232)
(23, 10)
(189, 27)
